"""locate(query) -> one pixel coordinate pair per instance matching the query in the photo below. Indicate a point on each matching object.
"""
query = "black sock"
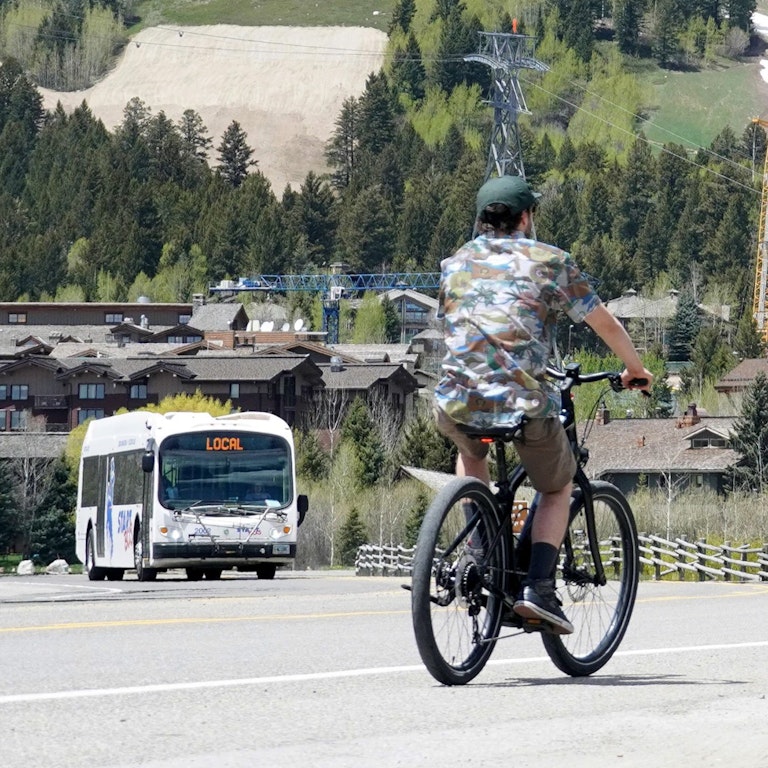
(543, 561)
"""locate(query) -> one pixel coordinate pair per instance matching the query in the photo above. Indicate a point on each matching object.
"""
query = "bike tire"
(457, 592)
(600, 614)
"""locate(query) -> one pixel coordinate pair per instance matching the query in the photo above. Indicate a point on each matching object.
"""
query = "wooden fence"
(659, 558)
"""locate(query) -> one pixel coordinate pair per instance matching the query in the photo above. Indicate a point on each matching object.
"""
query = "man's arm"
(612, 332)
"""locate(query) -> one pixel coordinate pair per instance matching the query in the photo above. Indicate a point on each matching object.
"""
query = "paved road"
(320, 670)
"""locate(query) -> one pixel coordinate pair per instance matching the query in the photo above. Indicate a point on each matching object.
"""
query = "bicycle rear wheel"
(457, 591)
(600, 613)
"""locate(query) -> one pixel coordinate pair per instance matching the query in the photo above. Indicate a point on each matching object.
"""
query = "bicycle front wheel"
(599, 609)
(457, 591)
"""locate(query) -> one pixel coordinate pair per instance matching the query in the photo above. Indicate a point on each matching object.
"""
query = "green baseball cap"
(512, 191)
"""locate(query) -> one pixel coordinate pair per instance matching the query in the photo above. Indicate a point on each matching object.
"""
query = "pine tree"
(748, 343)
(341, 148)
(235, 155)
(53, 531)
(415, 518)
(9, 514)
(750, 438)
(352, 536)
(423, 446)
(311, 461)
(684, 328)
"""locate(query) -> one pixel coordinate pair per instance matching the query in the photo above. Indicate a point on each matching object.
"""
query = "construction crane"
(761, 265)
(333, 287)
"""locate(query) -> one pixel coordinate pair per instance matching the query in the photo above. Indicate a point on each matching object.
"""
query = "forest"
(154, 208)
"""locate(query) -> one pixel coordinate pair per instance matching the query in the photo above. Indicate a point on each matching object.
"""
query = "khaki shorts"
(544, 450)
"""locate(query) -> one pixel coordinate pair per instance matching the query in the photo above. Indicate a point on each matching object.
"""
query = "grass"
(691, 108)
(296, 13)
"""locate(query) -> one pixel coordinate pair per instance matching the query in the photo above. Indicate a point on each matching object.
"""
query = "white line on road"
(339, 674)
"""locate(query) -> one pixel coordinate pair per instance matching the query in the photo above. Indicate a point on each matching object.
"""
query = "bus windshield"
(225, 468)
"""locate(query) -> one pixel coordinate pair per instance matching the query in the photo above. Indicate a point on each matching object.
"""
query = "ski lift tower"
(506, 54)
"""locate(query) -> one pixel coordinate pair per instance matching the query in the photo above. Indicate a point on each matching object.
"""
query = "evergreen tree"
(196, 141)
(366, 237)
(317, 218)
(235, 155)
(311, 460)
(402, 15)
(421, 445)
(415, 518)
(627, 17)
(407, 72)
(750, 438)
(9, 513)
(392, 324)
(360, 431)
(341, 149)
(748, 343)
(352, 536)
(684, 328)
(53, 531)
(376, 115)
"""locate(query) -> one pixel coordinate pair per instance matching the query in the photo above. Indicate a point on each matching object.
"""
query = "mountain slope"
(284, 85)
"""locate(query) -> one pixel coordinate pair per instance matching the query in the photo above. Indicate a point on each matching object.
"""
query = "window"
(18, 420)
(3, 392)
(234, 390)
(89, 413)
(17, 318)
(19, 392)
(289, 391)
(138, 391)
(184, 319)
(113, 318)
(91, 391)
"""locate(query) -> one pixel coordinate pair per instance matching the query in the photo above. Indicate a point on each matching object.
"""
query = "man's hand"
(638, 379)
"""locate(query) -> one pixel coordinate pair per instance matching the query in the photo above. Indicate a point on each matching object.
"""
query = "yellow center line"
(192, 620)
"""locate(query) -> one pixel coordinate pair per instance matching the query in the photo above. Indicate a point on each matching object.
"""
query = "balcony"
(50, 402)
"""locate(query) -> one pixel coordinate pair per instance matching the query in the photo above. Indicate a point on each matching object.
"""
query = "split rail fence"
(660, 558)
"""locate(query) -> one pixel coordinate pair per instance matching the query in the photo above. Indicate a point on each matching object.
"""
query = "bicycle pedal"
(406, 587)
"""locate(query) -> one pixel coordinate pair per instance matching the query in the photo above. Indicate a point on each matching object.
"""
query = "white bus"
(187, 490)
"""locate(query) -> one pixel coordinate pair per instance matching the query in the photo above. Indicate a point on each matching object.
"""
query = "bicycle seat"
(504, 433)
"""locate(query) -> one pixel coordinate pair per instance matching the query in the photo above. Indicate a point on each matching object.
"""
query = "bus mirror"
(148, 461)
(302, 505)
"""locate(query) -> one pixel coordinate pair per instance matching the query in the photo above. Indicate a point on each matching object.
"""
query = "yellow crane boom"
(761, 265)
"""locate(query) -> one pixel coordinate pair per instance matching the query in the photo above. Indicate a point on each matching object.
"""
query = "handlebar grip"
(640, 382)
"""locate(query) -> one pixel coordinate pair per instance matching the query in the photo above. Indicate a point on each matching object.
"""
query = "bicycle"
(471, 558)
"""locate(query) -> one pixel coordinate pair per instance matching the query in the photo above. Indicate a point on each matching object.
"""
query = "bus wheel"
(194, 574)
(142, 573)
(213, 573)
(95, 573)
(266, 570)
(115, 574)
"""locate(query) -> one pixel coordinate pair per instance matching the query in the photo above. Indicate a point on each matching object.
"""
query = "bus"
(187, 490)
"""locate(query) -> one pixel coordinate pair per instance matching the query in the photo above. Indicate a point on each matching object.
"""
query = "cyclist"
(499, 295)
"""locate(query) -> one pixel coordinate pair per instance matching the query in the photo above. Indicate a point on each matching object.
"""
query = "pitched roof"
(365, 375)
(656, 445)
(743, 374)
(219, 317)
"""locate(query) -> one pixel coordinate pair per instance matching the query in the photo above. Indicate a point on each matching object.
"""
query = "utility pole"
(506, 54)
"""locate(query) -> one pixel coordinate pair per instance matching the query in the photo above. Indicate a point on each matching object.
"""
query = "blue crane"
(333, 286)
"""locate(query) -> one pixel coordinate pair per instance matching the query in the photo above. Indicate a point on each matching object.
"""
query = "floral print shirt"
(498, 300)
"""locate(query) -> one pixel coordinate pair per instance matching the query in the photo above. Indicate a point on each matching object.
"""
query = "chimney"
(603, 415)
(691, 416)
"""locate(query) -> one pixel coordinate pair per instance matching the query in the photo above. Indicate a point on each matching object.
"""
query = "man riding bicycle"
(499, 295)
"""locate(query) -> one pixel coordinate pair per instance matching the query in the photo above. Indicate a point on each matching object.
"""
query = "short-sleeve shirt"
(499, 297)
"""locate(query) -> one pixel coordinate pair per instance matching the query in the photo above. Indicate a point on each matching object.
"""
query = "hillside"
(284, 85)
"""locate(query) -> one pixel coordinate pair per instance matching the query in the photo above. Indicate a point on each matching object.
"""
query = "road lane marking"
(24, 698)
(199, 620)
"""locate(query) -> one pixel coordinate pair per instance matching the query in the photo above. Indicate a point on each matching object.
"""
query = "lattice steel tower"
(506, 54)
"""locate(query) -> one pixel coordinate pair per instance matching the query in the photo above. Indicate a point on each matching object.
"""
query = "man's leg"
(467, 466)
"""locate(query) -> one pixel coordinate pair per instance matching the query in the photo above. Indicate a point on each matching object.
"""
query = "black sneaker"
(540, 601)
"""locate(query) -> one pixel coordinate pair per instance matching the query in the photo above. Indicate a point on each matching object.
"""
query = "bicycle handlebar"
(573, 377)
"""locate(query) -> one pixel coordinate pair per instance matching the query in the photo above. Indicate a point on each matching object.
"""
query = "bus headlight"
(281, 531)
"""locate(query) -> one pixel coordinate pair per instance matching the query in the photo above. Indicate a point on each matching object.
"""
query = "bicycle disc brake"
(469, 582)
